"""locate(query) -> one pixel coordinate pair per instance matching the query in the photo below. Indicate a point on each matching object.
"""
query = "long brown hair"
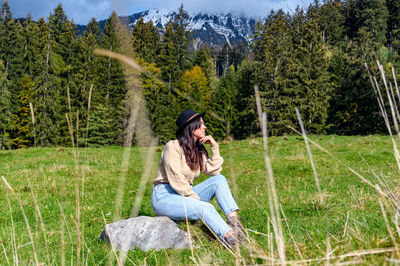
(192, 148)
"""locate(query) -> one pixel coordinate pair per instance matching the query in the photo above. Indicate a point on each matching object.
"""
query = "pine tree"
(86, 75)
(111, 78)
(5, 107)
(307, 85)
(162, 106)
(330, 18)
(369, 15)
(174, 54)
(45, 96)
(237, 54)
(31, 47)
(92, 63)
(247, 124)
(292, 71)
(274, 53)
(223, 103)
(168, 53)
(182, 35)
(101, 130)
(393, 30)
(353, 107)
(222, 61)
(134, 102)
(6, 14)
(25, 69)
(14, 58)
(5, 18)
(62, 33)
(22, 122)
(204, 60)
(146, 41)
(14, 53)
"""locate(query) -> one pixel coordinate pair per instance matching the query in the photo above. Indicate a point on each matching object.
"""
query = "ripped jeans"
(166, 202)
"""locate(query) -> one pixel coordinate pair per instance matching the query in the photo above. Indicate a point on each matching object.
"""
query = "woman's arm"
(172, 164)
(213, 165)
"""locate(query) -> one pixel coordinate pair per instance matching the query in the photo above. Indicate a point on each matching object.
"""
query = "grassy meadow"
(58, 200)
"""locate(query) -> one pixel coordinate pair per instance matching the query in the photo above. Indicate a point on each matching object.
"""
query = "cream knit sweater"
(174, 170)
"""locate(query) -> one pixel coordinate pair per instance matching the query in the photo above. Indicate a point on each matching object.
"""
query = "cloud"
(82, 10)
(248, 7)
(79, 10)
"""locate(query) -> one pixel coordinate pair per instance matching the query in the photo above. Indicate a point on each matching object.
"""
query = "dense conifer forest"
(313, 59)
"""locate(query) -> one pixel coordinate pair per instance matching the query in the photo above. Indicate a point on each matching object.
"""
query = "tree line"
(53, 87)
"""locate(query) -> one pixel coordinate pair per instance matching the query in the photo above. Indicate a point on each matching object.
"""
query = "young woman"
(181, 162)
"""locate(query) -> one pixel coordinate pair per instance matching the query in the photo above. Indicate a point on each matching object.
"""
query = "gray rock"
(145, 233)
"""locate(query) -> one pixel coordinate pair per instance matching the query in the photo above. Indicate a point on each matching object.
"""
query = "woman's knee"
(206, 208)
(218, 179)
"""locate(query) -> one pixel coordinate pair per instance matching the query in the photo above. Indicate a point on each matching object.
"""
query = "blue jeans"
(166, 202)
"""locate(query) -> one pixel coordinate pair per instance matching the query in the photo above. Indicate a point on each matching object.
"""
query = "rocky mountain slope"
(214, 29)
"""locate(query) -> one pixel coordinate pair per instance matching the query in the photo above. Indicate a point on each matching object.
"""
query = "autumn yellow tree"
(194, 83)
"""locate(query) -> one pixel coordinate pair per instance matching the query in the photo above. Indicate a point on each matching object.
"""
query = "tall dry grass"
(272, 194)
(33, 123)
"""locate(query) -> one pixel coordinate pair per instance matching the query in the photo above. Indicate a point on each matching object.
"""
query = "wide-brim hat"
(186, 117)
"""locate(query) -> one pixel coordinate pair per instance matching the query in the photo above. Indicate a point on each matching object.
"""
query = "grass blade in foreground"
(272, 195)
(303, 131)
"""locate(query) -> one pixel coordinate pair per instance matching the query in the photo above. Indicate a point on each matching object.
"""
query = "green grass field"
(67, 195)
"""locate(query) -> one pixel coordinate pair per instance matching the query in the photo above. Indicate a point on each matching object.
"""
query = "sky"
(81, 11)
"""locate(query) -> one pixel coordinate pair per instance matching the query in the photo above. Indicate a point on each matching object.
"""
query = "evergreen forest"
(54, 87)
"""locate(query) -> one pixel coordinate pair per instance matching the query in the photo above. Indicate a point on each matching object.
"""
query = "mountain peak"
(216, 29)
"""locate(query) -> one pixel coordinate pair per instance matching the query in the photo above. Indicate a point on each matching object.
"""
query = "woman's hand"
(208, 139)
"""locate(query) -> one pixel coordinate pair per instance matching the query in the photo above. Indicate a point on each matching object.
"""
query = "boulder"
(145, 233)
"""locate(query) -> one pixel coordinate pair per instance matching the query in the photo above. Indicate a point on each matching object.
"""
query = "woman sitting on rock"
(181, 162)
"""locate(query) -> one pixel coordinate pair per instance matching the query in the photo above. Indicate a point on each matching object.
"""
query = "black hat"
(186, 117)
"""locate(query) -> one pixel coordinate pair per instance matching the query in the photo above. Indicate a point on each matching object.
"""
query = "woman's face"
(200, 132)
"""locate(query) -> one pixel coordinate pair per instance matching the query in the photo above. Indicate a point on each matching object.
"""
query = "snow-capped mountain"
(214, 29)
